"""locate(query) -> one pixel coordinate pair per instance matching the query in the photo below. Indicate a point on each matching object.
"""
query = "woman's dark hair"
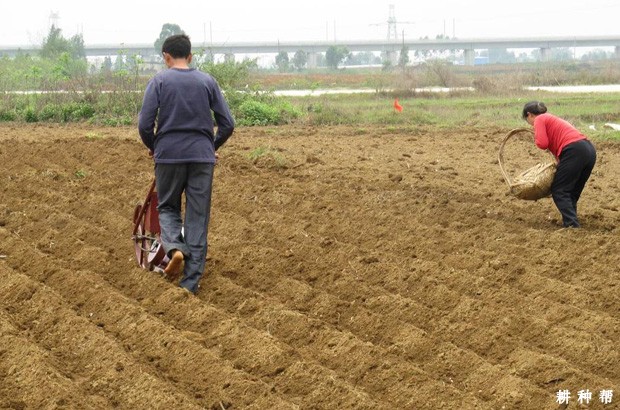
(535, 107)
(178, 46)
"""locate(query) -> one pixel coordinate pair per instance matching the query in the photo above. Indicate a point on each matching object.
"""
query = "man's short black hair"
(178, 46)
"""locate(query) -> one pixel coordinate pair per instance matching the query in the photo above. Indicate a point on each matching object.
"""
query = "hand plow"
(146, 234)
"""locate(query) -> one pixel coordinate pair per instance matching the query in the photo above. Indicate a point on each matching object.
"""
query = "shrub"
(6, 115)
(287, 111)
(271, 111)
(30, 115)
(50, 112)
(230, 74)
(324, 113)
(484, 85)
(77, 111)
(257, 113)
(83, 111)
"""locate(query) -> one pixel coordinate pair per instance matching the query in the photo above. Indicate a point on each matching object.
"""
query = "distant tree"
(76, 44)
(54, 45)
(501, 55)
(230, 75)
(403, 58)
(282, 61)
(167, 30)
(68, 56)
(203, 55)
(387, 60)
(106, 67)
(368, 57)
(561, 54)
(300, 59)
(386, 65)
(595, 55)
(362, 58)
(524, 57)
(336, 55)
(133, 63)
(62, 69)
(119, 63)
(66, 67)
(442, 71)
(352, 59)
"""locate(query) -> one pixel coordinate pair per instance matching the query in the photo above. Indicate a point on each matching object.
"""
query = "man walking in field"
(176, 124)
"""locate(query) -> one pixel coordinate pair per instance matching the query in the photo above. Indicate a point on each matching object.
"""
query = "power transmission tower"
(53, 19)
(392, 31)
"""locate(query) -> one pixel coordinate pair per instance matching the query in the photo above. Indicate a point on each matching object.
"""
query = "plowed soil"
(348, 268)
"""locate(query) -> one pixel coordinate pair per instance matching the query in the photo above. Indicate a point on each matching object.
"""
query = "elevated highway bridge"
(390, 47)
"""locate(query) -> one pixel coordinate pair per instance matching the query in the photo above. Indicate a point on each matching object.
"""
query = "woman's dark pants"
(576, 163)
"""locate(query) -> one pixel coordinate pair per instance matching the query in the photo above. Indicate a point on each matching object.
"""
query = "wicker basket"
(534, 183)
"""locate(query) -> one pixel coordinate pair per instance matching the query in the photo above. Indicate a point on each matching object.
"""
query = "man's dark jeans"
(188, 236)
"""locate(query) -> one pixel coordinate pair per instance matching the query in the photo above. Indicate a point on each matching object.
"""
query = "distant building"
(481, 60)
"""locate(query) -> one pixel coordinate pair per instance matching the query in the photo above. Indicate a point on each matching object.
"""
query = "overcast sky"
(114, 21)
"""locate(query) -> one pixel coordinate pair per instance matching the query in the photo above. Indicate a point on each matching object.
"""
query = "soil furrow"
(347, 269)
(72, 340)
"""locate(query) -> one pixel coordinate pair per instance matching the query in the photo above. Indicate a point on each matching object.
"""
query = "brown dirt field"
(348, 268)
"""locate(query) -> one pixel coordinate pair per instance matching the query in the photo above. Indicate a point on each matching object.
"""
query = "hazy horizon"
(115, 22)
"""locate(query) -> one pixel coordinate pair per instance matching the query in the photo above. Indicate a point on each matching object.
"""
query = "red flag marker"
(397, 106)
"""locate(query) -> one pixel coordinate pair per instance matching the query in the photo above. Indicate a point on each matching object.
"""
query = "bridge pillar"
(313, 60)
(469, 56)
(618, 52)
(545, 54)
(229, 57)
(391, 57)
